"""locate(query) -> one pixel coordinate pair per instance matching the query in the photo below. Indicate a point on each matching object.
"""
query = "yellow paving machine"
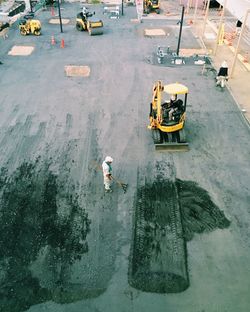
(167, 116)
(30, 26)
(92, 25)
(151, 5)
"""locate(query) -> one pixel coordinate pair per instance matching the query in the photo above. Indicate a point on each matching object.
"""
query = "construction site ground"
(178, 239)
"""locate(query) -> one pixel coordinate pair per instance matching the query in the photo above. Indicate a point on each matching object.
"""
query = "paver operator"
(107, 173)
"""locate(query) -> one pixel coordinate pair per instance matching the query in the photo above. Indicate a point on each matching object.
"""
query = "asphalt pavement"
(178, 239)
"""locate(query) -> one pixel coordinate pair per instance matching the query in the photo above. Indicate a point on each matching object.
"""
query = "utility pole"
(205, 19)
(31, 11)
(238, 43)
(195, 11)
(220, 26)
(181, 23)
(122, 7)
(59, 12)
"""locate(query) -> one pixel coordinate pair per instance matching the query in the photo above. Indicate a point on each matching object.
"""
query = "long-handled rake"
(123, 185)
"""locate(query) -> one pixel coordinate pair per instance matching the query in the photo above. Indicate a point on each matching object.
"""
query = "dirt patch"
(77, 71)
(21, 50)
(154, 32)
(167, 214)
(40, 219)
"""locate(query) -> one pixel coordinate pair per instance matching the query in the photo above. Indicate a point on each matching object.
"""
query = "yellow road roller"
(30, 26)
(85, 21)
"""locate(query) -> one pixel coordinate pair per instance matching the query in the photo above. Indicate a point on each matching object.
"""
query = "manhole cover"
(57, 21)
(21, 50)
(154, 32)
(77, 71)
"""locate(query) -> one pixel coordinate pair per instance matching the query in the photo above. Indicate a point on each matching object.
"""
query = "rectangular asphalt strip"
(158, 261)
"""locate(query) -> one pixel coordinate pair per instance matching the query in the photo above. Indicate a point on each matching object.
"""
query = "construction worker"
(173, 99)
(107, 173)
(222, 74)
(85, 11)
(238, 27)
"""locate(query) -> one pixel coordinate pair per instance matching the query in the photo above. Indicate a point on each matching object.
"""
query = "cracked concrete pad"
(57, 21)
(77, 71)
(21, 50)
(154, 32)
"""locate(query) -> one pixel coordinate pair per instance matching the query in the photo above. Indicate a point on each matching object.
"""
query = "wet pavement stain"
(167, 214)
(39, 219)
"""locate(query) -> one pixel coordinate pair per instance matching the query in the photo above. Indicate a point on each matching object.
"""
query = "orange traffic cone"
(62, 43)
(53, 42)
(52, 11)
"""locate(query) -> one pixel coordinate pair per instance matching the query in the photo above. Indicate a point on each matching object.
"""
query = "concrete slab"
(154, 32)
(21, 50)
(57, 21)
(77, 71)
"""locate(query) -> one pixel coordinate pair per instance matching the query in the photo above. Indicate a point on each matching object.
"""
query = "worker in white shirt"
(107, 173)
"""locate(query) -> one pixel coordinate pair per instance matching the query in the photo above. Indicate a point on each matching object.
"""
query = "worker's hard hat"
(224, 64)
(108, 159)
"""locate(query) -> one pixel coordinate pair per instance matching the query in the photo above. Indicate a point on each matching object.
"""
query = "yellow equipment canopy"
(175, 88)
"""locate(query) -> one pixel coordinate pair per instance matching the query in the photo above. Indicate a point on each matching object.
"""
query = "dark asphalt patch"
(199, 213)
(167, 214)
(38, 215)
